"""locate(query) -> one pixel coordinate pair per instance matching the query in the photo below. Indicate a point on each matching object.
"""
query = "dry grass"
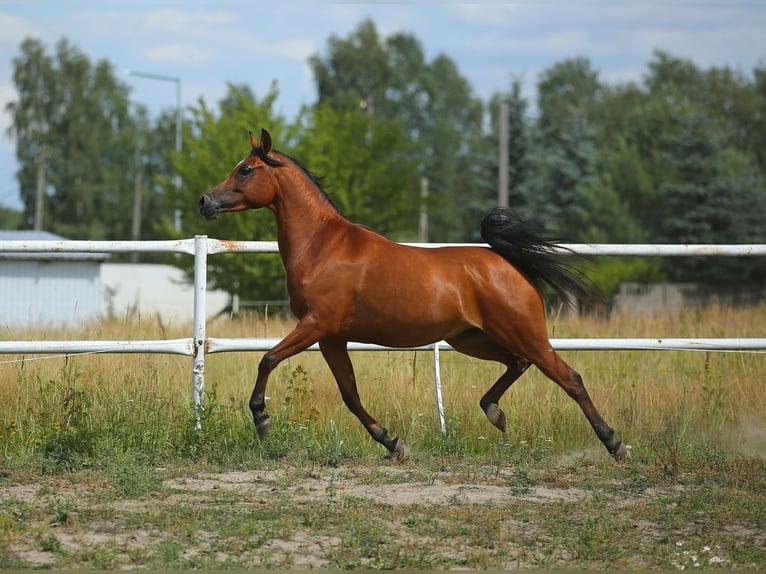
(651, 398)
(101, 466)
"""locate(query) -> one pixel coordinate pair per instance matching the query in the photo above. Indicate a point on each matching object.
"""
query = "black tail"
(523, 244)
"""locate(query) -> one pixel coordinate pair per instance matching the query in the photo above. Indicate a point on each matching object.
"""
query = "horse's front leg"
(299, 339)
(336, 355)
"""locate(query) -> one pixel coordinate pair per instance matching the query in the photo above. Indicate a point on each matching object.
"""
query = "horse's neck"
(304, 214)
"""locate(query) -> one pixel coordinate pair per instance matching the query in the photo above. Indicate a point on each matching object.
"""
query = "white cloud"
(573, 42)
(187, 21)
(168, 32)
(177, 54)
(111, 21)
(297, 49)
(734, 45)
(486, 14)
(345, 15)
(14, 29)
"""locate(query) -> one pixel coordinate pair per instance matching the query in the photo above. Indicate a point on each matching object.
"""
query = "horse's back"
(459, 269)
(402, 295)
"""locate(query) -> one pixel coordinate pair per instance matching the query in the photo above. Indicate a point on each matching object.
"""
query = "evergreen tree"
(519, 152)
(713, 198)
(566, 146)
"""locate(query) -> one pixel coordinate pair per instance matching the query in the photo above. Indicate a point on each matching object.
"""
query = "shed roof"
(31, 235)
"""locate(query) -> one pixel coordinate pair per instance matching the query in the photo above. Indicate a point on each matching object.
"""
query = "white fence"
(199, 344)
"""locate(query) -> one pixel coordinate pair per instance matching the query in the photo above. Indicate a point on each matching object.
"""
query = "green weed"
(97, 413)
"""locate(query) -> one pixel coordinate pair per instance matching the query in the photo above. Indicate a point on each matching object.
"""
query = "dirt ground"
(284, 518)
(254, 488)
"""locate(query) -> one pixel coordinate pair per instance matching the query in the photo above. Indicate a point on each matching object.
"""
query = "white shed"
(154, 289)
(48, 288)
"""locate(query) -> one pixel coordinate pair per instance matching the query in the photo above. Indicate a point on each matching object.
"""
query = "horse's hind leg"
(336, 355)
(490, 401)
(529, 340)
(556, 369)
(477, 343)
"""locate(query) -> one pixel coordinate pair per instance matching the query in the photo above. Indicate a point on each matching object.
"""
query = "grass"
(67, 411)
(291, 516)
(99, 443)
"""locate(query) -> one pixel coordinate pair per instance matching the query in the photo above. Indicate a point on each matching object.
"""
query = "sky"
(209, 44)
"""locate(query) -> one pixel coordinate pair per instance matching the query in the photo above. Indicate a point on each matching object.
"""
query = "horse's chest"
(318, 293)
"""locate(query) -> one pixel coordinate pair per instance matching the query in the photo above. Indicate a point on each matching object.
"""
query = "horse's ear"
(265, 142)
(253, 141)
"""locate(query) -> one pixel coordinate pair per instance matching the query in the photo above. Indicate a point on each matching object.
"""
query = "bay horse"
(347, 283)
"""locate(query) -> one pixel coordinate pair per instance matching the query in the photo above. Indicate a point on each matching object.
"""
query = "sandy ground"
(393, 486)
(82, 521)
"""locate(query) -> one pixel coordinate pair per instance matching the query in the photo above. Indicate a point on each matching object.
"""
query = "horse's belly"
(398, 325)
(403, 337)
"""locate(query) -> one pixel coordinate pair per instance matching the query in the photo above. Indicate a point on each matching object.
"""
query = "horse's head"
(250, 185)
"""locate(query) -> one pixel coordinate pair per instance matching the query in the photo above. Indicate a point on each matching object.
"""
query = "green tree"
(714, 197)
(566, 92)
(154, 164)
(215, 140)
(392, 80)
(756, 121)
(518, 143)
(72, 123)
(627, 122)
(563, 171)
(674, 78)
(564, 161)
(486, 153)
(366, 166)
(363, 163)
(10, 218)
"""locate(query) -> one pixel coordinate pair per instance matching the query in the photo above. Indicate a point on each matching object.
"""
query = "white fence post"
(438, 385)
(199, 337)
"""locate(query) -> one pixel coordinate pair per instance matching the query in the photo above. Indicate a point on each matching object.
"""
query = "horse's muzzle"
(208, 207)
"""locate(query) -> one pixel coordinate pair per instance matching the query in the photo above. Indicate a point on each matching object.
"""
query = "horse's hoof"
(263, 427)
(621, 453)
(496, 416)
(400, 453)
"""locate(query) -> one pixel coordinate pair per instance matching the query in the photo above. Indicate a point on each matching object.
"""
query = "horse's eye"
(246, 169)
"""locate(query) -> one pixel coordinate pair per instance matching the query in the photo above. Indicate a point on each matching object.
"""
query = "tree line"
(678, 157)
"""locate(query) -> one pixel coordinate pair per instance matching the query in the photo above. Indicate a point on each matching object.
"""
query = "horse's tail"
(523, 244)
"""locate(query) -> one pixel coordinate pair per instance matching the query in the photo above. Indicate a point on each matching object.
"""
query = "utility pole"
(137, 197)
(423, 222)
(40, 191)
(179, 121)
(502, 163)
(138, 192)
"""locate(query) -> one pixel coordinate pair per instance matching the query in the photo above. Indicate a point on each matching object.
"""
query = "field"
(101, 465)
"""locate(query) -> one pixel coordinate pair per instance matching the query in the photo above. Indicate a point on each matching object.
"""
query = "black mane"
(317, 180)
(270, 161)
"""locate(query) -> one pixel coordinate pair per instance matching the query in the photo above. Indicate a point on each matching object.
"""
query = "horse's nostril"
(207, 207)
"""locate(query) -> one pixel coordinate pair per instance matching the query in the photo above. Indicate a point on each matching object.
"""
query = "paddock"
(198, 345)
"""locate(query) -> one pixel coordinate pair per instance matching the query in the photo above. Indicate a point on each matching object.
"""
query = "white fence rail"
(199, 344)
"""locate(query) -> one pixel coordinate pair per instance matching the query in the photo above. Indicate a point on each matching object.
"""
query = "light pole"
(179, 111)
(179, 119)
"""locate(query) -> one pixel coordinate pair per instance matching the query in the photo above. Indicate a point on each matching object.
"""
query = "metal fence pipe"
(164, 346)
(78, 246)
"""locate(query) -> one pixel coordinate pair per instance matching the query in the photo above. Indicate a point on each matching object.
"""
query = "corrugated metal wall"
(49, 292)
